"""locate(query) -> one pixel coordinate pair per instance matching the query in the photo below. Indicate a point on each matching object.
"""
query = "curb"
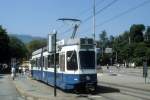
(30, 95)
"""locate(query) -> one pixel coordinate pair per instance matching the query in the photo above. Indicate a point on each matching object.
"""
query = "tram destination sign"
(108, 50)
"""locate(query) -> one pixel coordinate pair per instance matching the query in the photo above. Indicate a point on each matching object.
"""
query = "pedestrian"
(24, 70)
(13, 73)
(107, 66)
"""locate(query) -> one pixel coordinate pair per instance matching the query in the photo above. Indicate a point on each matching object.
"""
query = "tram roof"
(76, 41)
(68, 42)
(39, 50)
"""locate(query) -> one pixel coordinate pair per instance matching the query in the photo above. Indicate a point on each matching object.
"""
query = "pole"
(55, 66)
(52, 49)
(94, 19)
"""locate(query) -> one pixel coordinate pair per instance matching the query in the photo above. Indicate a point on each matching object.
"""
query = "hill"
(26, 38)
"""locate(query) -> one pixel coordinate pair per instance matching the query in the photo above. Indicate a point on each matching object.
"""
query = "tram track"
(123, 93)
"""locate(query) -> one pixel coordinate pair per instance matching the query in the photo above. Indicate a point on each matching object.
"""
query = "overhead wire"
(83, 12)
(99, 11)
(122, 13)
(87, 10)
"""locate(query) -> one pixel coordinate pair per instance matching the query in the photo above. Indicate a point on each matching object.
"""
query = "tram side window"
(33, 63)
(62, 62)
(51, 60)
(38, 62)
(57, 59)
(45, 62)
(48, 61)
(72, 60)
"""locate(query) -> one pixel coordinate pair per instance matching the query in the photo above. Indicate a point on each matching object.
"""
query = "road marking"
(95, 96)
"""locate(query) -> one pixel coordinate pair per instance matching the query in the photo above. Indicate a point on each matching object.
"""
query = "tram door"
(62, 66)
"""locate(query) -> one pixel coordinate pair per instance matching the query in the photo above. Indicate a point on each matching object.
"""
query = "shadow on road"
(1, 75)
(99, 90)
(105, 89)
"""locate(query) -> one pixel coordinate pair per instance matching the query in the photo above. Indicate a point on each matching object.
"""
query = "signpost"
(52, 49)
(145, 70)
(109, 51)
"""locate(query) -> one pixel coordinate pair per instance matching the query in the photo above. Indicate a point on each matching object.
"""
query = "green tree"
(147, 35)
(17, 48)
(147, 56)
(136, 32)
(139, 53)
(4, 47)
(36, 44)
(103, 40)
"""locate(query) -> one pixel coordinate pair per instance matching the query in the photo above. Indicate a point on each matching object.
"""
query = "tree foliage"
(17, 48)
(131, 46)
(36, 44)
(11, 47)
(136, 32)
(4, 47)
(147, 35)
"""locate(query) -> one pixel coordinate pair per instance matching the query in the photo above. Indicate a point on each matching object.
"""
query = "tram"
(75, 64)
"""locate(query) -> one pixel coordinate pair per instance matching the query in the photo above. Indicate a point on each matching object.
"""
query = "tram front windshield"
(87, 59)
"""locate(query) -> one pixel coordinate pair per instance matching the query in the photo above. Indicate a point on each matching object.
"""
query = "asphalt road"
(7, 89)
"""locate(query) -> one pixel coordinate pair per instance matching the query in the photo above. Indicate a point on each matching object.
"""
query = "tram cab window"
(87, 59)
(72, 60)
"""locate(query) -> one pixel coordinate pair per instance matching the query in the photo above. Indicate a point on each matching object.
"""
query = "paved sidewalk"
(34, 90)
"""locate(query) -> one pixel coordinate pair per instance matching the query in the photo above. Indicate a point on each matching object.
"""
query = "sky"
(40, 17)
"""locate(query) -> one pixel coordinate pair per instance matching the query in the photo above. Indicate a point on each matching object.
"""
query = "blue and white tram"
(76, 64)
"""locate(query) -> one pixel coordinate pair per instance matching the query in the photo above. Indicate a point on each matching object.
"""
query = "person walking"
(13, 73)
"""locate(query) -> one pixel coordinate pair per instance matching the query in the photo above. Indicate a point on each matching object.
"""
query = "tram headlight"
(75, 79)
